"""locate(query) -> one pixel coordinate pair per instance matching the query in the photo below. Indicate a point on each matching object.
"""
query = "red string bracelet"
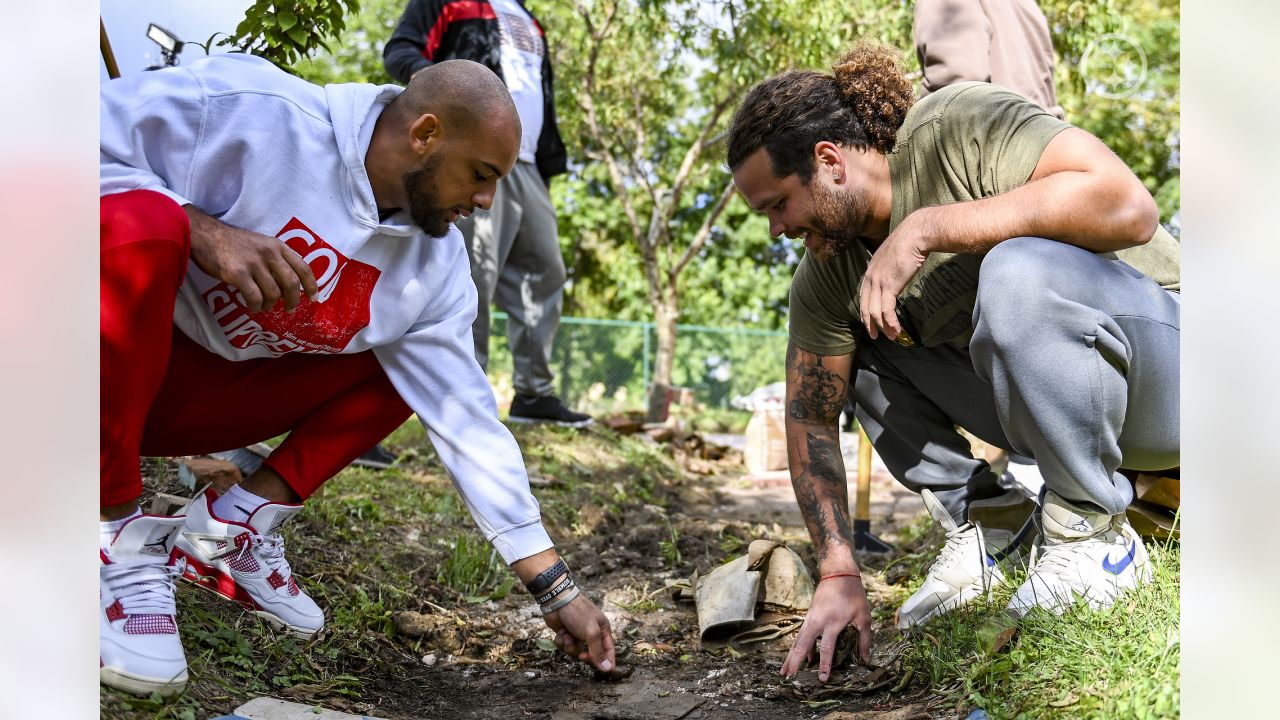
(836, 575)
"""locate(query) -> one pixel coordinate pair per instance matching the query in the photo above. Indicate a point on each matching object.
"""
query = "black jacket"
(431, 31)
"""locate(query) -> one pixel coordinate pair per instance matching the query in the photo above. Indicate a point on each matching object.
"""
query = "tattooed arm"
(816, 390)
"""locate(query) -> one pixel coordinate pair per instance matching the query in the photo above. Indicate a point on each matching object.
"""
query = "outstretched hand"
(583, 631)
(262, 268)
(837, 603)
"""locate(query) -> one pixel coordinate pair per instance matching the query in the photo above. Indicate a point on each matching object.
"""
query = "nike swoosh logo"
(1124, 562)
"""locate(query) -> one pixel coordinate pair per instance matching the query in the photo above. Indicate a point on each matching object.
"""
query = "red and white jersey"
(260, 149)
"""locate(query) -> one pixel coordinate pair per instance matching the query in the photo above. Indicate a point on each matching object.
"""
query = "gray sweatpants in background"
(1074, 362)
(515, 260)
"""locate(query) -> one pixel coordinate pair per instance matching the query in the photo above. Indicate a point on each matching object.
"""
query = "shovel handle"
(108, 57)
(862, 506)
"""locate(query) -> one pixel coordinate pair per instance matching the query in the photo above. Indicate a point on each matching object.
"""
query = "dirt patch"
(401, 644)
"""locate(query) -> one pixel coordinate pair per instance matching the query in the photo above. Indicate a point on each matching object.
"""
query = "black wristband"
(546, 577)
(563, 586)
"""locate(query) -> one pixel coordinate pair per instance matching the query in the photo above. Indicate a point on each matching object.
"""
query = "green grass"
(1120, 662)
(670, 549)
(719, 420)
(471, 565)
(371, 544)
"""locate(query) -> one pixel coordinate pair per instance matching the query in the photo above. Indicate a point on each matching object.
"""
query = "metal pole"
(108, 57)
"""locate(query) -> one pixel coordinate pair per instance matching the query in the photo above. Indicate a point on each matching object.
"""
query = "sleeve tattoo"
(822, 494)
(817, 395)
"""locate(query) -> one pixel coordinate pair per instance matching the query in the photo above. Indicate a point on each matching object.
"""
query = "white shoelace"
(144, 588)
(955, 539)
(271, 552)
(1054, 558)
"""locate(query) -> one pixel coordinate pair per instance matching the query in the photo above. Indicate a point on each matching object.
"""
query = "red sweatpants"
(163, 394)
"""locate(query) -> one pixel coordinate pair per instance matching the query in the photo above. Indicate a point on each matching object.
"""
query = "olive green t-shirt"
(965, 142)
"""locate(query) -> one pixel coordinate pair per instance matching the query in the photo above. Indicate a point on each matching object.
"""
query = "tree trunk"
(665, 315)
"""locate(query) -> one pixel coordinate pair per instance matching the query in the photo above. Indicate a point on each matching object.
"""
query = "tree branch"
(641, 141)
(704, 232)
(587, 99)
(695, 150)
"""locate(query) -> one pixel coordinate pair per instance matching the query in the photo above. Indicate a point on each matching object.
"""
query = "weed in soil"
(423, 621)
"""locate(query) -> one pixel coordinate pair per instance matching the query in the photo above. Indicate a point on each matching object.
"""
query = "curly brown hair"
(861, 104)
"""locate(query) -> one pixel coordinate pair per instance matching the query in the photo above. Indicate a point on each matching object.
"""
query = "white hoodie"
(262, 150)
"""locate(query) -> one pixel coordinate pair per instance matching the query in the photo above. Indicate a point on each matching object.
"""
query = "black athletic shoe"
(376, 458)
(546, 409)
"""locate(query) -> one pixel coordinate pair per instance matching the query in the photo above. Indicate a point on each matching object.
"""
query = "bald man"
(279, 258)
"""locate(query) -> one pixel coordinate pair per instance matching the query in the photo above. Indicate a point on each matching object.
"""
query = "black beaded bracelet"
(563, 586)
(546, 577)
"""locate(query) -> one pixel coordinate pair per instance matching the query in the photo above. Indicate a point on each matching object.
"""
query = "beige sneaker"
(968, 567)
(1084, 554)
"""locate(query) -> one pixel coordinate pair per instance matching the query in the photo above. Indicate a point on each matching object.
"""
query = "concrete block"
(264, 708)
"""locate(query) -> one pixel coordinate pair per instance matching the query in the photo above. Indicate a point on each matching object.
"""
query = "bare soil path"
(631, 518)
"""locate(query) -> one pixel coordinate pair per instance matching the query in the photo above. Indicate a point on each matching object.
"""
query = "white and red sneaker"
(245, 562)
(140, 650)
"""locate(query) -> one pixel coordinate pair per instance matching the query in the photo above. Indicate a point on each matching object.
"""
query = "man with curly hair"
(972, 261)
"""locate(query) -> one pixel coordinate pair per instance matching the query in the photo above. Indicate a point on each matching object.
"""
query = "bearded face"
(838, 220)
(420, 184)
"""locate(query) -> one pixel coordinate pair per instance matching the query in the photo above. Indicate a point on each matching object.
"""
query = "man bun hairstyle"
(872, 83)
(861, 104)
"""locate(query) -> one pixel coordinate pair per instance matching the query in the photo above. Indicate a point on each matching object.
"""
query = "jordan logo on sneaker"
(159, 547)
(1081, 525)
(1124, 562)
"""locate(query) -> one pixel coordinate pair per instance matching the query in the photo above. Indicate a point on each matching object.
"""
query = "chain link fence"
(605, 366)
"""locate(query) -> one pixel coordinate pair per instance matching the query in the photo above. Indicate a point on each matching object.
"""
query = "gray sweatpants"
(515, 261)
(1073, 362)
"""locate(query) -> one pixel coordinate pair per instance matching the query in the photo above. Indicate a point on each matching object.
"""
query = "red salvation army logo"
(325, 326)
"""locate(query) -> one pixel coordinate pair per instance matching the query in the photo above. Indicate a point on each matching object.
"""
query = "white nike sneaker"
(968, 567)
(1084, 554)
(245, 562)
(140, 650)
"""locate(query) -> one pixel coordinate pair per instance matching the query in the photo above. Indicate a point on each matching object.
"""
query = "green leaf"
(995, 632)
(545, 644)
(502, 590)
(298, 35)
(286, 19)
